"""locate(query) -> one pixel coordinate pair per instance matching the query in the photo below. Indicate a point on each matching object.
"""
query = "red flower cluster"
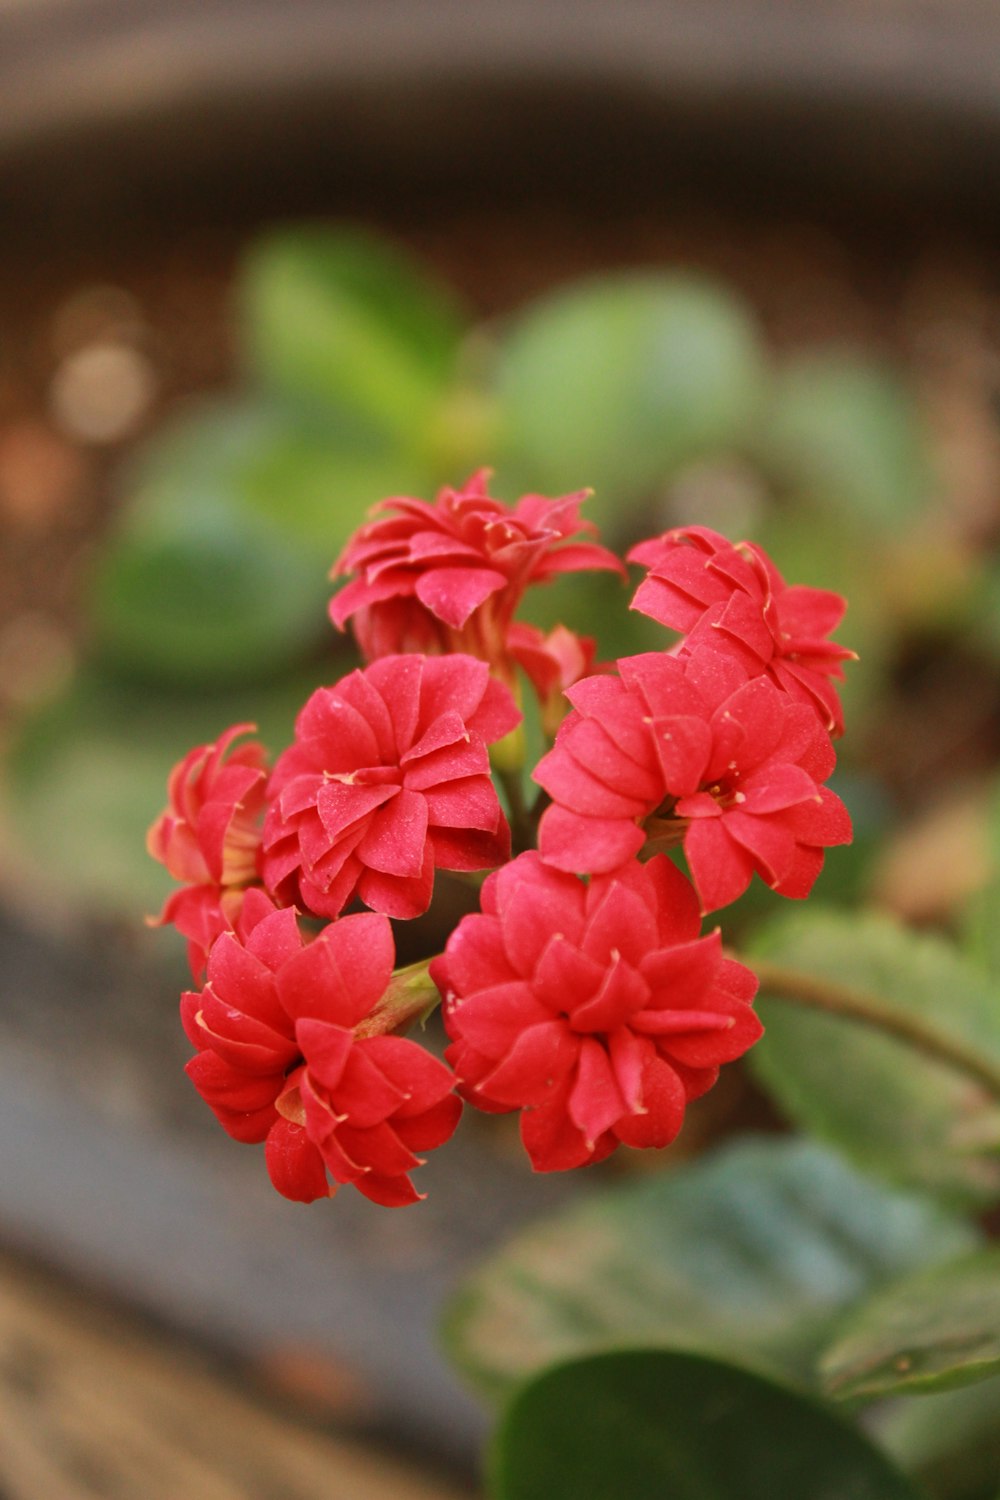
(596, 1008)
(280, 1057)
(591, 1004)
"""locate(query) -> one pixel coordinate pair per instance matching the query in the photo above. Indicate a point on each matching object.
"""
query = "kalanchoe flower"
(732, 597)
(449, 576)
(388, 779)
(552, 663)
(283, 1056)
(689, 749)
(209, 837)
(597, 1008)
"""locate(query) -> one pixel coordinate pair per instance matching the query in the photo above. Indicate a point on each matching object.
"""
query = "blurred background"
(729, 262)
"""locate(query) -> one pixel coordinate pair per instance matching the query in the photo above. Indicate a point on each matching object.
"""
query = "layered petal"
(714, 591)
(209, 837)
(691, 750)
(387, 780)
(449, 575)
(283, 1056)
(618, 1015)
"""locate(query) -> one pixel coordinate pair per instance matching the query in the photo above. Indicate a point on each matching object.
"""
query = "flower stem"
(522, 825)
(814, 993)
(412, 996)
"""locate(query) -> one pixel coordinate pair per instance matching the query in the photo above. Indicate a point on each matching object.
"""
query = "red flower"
(449, 576)
(733, 596)
(597, 1008)
(209, 836)
(387, 780)
(552, 663)
(280, 1058)
(689, 749)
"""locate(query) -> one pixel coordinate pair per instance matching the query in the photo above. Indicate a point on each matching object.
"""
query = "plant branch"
(814, 993)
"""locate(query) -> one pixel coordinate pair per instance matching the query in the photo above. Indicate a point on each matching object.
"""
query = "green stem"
(412, 996)
(814, 993)
(522, 824)
(539, 804)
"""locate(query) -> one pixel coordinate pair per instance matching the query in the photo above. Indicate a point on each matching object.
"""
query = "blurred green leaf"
(317, 492)
(199, 584)
(658, 1425)
(614, 382)
(887, 1105)
(847, 435)
(982, 916)
(937, 1329)
(88, 774)
(949, 1440)
(984, 614)
(594, 604)
(341, 321)
(753, 1252)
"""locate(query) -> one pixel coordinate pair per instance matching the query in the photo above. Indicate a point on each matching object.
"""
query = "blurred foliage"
(929, 1332)
(364, 377)
(616, 383)
(890, 1108)
(778, 1256)
(754, 1252)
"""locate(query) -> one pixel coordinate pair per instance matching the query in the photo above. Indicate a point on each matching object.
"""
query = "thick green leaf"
(658, 1425)
(754, 1252)
(888, 1105)
(339, 320)
(847, 435)
(931, 1331)
(201, 583)
(615, 382)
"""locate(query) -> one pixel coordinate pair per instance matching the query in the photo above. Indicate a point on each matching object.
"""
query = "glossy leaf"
(615, 382)
(753, 1252)
(659, 1425)
(934, 1330)
(889, 1106)
(341, 321)
(846, 434)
